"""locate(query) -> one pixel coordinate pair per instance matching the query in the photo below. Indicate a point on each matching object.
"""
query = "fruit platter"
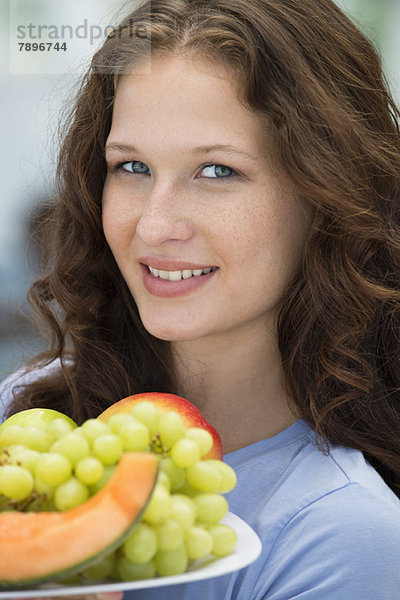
(132, 499)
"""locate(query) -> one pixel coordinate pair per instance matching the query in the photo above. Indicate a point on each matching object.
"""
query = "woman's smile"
(178, 275)
(170, 284)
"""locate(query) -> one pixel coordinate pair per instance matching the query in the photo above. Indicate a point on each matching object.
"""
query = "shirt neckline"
(297, 430)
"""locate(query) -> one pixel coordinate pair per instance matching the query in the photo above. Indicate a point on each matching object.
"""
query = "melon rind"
(48, 546)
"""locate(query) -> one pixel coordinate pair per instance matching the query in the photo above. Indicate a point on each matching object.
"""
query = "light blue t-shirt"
(329, 526)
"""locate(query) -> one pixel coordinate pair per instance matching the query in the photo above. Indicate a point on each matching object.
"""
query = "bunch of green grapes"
(60, 466)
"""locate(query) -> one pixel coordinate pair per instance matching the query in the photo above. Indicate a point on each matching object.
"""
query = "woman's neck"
(237, 383)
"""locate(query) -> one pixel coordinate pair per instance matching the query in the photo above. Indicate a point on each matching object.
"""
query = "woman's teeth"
(178, 275)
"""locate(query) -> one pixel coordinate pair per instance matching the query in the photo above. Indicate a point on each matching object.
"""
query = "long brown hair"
(318, 80)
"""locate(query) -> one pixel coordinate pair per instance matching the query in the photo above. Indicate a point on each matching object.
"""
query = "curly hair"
(308, 69)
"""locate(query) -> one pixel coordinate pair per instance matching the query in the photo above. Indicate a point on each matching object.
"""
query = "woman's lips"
(170, 264)
(180, 281)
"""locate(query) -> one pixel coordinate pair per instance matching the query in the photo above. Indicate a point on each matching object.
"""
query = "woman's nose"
(162, 219)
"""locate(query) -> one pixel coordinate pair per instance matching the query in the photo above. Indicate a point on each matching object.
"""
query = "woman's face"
(204, 231)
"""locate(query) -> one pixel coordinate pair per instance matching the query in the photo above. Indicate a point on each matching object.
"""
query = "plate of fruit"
(132, 499)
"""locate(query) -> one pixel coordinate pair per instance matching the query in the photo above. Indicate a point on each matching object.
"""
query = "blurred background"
(35, 88)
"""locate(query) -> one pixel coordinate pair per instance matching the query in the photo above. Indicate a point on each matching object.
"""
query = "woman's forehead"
(187, 98)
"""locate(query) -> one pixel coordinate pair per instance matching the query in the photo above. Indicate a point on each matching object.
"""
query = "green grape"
(198, 542)
(89, 470)
(202, 437)
(107, 448)
(48, 505)
(159, 507)
(44, 489)
(92, 428)
(25, 457)
(163, 479)
(53, 469)
(15, 482)
(148, 414)
(175, 474)
(171, 428)
(74, 579)
(185, 452)
(228, 475)
(8, 455)
(211, 508)
(169, 535)
(183, 510)
(174, 562)
(188, 501)
(204, 477)
(10, 435)
(59, 427)
(117, 421)
(34, 417)
(129, 571)
(114, 573)
(188, 490)
(224, 539)
(12, 450)
(134, 435)
(72, 445)
(36, 439)
(104, 479)
(70, 494)
(101, 569)
(141, 545)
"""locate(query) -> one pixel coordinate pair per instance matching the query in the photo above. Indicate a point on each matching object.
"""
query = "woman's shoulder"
(345, 544)
(320, 516)
(331, 540)
(341, 491)
(351, 518)
(21, 378)
(329, 526)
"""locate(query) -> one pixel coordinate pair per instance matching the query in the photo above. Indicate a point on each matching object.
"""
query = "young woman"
(227, 229)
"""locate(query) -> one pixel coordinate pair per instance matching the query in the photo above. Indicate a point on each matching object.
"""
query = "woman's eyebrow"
(114, 147)
(226, 148)
(119, 148)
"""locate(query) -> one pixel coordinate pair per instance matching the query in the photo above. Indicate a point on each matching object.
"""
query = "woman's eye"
(217, 171)
(134, 166)
(213, 171)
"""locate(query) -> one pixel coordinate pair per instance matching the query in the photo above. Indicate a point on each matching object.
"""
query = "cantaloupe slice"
(36, 547)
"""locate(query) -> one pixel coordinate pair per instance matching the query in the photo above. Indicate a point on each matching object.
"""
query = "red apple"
(190, 415)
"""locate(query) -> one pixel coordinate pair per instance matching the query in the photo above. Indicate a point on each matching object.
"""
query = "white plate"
(247, 550)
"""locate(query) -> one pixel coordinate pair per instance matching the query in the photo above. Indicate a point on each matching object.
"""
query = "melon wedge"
(42, 546)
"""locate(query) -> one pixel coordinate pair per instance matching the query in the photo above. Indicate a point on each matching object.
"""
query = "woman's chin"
(173, 333)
